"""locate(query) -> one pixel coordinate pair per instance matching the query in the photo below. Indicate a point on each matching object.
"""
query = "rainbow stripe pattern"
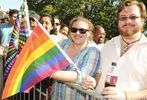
(39, 58)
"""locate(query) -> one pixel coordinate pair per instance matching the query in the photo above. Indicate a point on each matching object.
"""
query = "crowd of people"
(94, 58)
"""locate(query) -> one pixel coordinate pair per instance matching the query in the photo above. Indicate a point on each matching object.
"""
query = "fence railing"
(39, 93)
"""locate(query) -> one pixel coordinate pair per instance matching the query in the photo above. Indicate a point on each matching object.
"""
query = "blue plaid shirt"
(87, 61)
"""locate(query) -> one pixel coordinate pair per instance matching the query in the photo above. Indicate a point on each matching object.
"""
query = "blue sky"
(10, 4)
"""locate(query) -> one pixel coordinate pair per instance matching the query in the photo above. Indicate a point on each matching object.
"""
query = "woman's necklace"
(128, 44)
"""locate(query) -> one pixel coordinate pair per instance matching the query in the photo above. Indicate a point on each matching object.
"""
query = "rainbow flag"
(39, 58)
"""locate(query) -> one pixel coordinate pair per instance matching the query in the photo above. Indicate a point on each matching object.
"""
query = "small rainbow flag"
(39, 58)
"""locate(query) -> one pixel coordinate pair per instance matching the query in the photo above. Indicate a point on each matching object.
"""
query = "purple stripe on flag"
(48, 72)
(48, 65)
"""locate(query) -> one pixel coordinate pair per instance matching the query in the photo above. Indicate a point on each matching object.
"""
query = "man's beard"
(128, 32)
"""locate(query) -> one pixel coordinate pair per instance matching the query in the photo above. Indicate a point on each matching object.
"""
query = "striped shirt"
(87, 61)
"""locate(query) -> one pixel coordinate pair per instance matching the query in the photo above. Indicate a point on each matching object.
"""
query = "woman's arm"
(67, 76)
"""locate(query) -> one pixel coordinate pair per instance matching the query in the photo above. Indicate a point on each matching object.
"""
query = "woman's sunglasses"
(81, 30)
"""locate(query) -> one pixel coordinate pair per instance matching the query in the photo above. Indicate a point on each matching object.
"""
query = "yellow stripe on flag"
(36, 54)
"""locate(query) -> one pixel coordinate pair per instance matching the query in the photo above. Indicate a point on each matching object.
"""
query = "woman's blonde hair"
(80, 18)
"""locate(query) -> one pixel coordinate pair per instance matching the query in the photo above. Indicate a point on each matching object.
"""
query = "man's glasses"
(81, 30)
(124, 18)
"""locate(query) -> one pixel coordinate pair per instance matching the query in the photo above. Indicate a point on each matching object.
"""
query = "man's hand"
(113, 93)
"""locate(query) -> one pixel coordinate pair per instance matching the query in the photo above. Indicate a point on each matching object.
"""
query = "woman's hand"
(88, 82)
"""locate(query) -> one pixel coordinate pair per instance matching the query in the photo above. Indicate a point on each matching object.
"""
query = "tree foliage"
(100, 12)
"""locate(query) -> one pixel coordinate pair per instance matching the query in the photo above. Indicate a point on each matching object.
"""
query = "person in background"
(47, 22)
(3, 17)
(85, 56)
(128, 51)
(33, 23)
(55, 33)
(99, 35)
(52, 26)
(33, 19)
(57, 26)
(7, 28)
(64, 30)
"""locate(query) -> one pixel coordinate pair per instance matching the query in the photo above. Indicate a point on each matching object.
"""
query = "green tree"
(100, 12)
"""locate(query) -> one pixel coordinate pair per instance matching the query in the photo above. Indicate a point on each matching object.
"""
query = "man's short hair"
(47, 15)
(13, 11)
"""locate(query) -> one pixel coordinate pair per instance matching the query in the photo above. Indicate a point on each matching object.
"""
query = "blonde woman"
(83, 53)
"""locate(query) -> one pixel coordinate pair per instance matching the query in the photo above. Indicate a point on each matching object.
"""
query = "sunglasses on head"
(81, 30)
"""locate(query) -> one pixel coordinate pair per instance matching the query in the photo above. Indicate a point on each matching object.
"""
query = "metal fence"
(39, 93)
(36, 93)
